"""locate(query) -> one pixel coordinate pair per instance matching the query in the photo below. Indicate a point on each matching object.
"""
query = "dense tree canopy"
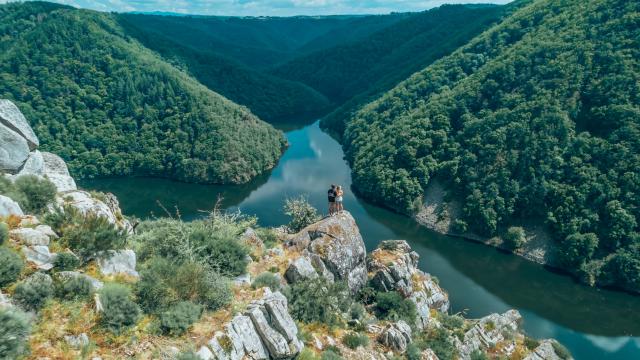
(109, 106)
(535, 118)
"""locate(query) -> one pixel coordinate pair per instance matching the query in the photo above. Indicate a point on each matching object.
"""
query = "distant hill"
(536, 118)
(111, 107)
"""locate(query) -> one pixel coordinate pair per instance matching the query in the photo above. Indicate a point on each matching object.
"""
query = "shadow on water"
(592, 323)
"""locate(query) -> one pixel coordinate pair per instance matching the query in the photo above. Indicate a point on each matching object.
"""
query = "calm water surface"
(592, 323)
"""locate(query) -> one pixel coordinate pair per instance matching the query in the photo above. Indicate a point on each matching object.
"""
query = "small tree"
(38, 192)
(94, 235)
(302, 213)
(514, 238)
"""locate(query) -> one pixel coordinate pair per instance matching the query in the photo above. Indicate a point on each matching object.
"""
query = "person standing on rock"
(332, 199)
(339, 198)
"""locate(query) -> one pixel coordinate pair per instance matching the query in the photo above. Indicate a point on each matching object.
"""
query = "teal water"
(592, 323)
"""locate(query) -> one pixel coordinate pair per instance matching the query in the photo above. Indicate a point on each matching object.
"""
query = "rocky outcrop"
(300, 269)
(118, 262)
(77, 341)
(393, 266)
(396, 336)
(544, 351)
(9, 207)
(87, 204)
(13, 152)
(264, 331)
(336, 242)
(68, 275)
(12, 118)
(40, 256)
(30, 237)
(55, 169)
(488, 332)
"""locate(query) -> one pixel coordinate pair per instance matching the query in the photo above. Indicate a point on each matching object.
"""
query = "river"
(592, 323)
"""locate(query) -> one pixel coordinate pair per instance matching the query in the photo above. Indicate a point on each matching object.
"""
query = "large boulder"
(118, 262)
(396, 336)
(488, 332)
(57, 172)
(336, 240)
(9, 207)
(12, 118)
(106, 207)
(300, 269)
(14, 150)
(29, 236)
(40, 256)
(544, 351)
(394, 267)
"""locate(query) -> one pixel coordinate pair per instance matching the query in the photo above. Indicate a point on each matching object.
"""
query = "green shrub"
(451, 322)
(268, 236)
(479, 355)
(459, 226)
(177, 319)
(94, 235)
(75, 288)
(11, 265)
(438, 340)
(266, 279)
(514, 238)
(4, 233)
(66, 261)
(225, 254)
(414, 352)
(119, 311)
(391, 305)
(34, 292)
(14, 333)
(307, 354)
(354, 340)
(367, 295)
(531, 343)
(331, 354)
(357, 311)
(38, 192)
(561, 350)
(301, 212)
(318, 300)
(188, 355)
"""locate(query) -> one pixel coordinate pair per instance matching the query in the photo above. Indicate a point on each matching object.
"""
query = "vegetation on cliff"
(535, 118)
(111, 107)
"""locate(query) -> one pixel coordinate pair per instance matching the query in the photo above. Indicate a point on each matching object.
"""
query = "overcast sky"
(267, 7)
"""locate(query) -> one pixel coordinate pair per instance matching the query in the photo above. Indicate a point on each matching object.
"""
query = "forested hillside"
(536, 118)
(112, 107)
(355, 72)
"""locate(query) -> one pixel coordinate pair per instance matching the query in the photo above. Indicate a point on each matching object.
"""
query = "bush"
(357, 311)
(38, 192)
(75, 288)
(188, 355)
(4, 233)
(439, 341)
(268, 236)
(514, 238)
(531, 343)
(331, 354)
(354, 340)
(34, 292)
(225, 254)
(561, 350)
(66, 261)
(451, 322)
(266, 279)
(391, 305)
(479, 355)
(11, 265)
(318, 300)
(459, 226)
(92, 235)
(414, 352)
(119, 311)
(177, 319)
(302, 213)
(14, 333)
(307, 354)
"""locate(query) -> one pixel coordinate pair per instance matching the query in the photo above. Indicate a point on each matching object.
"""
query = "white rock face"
(14, 150)
(77, 341)
(544, 351)
(12, 118)
(57, 172)
(46, 229)
(33, 166)
(9, 207)
(396, 336)
(29, 236)
(5, 301)
(118, 262)
(245, 332)
(204, 353)
(300, 269)
(488, 332)
(40, 256)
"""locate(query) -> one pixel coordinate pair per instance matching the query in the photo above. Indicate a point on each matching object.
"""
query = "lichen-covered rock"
(33, 166)
(5, 301)
(396, 336)
(118, 262)
(241, 330)
(241, 280)
(14, 150)
(29, 236)
(488, 332)
(9, 207)
(226, 347)
(336, 240)
(77, 341)
(12, 118)
(544, 351)
(86, 204)
(55, 169)
(250, 238)
(300, 269)
(47, 230)
(394, 267)
(40, 256)
(428, 354)
(204, 353)
(66, 275)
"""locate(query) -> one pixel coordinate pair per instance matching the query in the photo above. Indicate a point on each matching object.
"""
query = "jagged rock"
(487, 332)
(33, 166)
(273, 340)
(428, 354)
(300, 269)
(544, 351)
(29, 221)
(66, 275)
(204, 353)
(55, 169)
(338, 243)
(77, 341)
(47, 230)
(87, 204)
(118, 262)
(276, 251)
(251, 238)
(12, 118)
(29, 236)
(396, 336)
(241, 280)
(243, 329)
(14, 150)
(9, 207)
(40, 256)
(395, 268)
(225, 347)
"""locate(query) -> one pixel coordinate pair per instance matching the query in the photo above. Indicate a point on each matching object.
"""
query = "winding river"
(592, 323)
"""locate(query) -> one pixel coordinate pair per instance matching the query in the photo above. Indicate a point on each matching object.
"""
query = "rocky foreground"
(258, 322)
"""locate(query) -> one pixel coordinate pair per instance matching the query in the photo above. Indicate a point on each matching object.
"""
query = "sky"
(266, 7)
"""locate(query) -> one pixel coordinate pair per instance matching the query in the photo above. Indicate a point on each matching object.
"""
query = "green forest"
(111, 107)
(536, 118)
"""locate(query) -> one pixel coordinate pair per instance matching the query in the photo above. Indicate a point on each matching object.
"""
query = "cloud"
(266, 7)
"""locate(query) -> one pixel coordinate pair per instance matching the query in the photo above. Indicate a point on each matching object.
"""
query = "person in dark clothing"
(332, 199)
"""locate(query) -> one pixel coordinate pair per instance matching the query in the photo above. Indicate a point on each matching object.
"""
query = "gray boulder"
(67, 275)
(336, 240)
(55, 169)
(47, 230)
(107, 207)
(40, 256)
(250, 238)
(5, 301)
(204, 353)
(488, 332)
(12, 118)
(118, 262)
(33, 166)
(300, 269)
(242, 328)
(14, 150)
(29, 236)
(77, 341)
(544, 351)
(226, 347)
(9, 207)
(396, 336)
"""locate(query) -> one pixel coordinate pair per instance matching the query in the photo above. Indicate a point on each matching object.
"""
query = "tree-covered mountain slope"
(536, 118)
(112, 107)
(269, 97)
(358, 71)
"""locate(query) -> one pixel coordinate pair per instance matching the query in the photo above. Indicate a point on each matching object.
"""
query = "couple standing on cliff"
(335, 195)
